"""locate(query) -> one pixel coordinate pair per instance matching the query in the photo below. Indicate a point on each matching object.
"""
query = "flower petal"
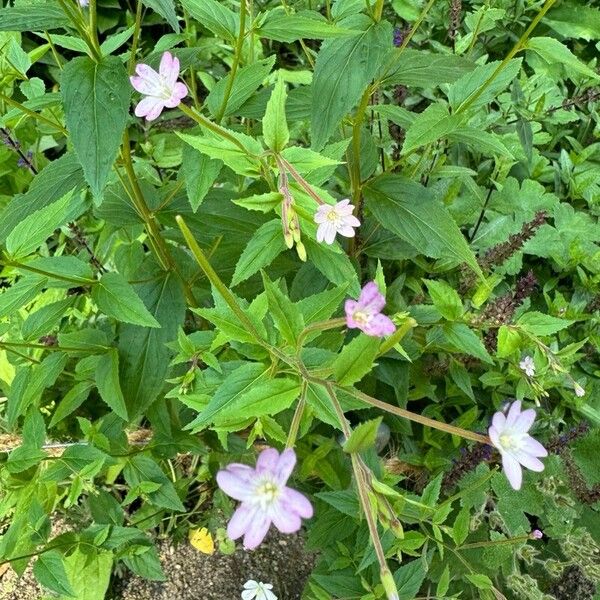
(267, 461)
(533, 447)
(269, 595)
(249, 594)
(371, 299)
(329, 233)
(529, 462)
(179, 92)
(286, 521)
(524, 421)
(240, 521)
(379, 326)
(512, 470)
(256, 530)
(285, 465)
(513, 413)
(149, 107)
(346, 231)
(494, 436)
(169, 68)
(499, 421)
(234, 486)
(294, 501)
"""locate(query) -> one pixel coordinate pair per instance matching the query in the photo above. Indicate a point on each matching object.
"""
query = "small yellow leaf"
(202, 540)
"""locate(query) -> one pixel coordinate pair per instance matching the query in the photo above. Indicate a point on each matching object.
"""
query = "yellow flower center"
(361, 317)
(332, 215)
(267, 491)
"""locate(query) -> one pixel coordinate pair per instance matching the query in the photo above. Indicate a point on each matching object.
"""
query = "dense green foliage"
(158, 322)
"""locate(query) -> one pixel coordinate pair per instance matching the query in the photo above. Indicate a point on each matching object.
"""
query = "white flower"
(256, 590)
(509, 434)
(528, 366)
(579, 391)
(335, 219)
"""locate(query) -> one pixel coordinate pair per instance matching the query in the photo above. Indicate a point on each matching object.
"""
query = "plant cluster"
(329, 265)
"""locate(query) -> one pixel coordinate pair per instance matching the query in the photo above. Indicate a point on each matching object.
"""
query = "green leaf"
(49, 570)
(573, 19)
(139, 469)
(433, 124)
(240, 161)
(247, 81)
(480, 141)
(308, 25)
(470, 84)
(320, 307)
(443, 583)
(117, 299)
(445, 299)
(143, 351)
(35, 229)
(363, 436)
(266, 243)
(199, 172)
(343, 69)
(215, 16)
(540, 324)
(237, 384)
(337, 267)
(418, 68)
(356, 359)
(480, 581)
(409, 578)
(306, 160)
(166, 9)
(466, 340)
(23, 458)
(33, 18)
(42, 321)
(410, 211)
(71, 401)
(108, 383)
(21, 293)
(96, 99)
(275, 130)
(261, 202)
(285, 314)
(52, 182)
(509, 341)
(89, 573)
(34, 429)
(553, 51)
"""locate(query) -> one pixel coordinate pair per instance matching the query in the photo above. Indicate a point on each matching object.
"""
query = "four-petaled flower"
(528, 366)
(365, 313)
(256, 590)
(334, 219)
(264, 497)
(509, 434)
(161, 89)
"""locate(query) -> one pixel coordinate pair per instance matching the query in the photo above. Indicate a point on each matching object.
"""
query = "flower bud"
(301, 250)
(389, 585)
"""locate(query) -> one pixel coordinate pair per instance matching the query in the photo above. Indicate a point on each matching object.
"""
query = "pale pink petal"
(148, 73)
(286, 521)
(149, 107)
(285, 465)
(240, 521)
(321, 231)
(494, 435)
(294, 501)
(176, 96)
(234, 486)
(321, 213)
(371, 299)
(329, 233)
(267, 461)
(169, 68)
(524, 421)
(533, 447)
(528, 461)
(513, 413)
(499, 421)
(379, 326)
(352, 221)
(145, 86)
(180, 90)
(344, 208)
(512, 470)
(256, 530)
(346, 231)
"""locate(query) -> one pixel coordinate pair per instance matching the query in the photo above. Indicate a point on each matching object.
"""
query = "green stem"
(239, 47)
(515, 540)
(515, 49)
(94, 28)
(32, 113)
(406, 414)
(24, 267)
(53, 50)
(356, 139)
(293, 433)
(300, 180)
(136, 36)
(51, 348)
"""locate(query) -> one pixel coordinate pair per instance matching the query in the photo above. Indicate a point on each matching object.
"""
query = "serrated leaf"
(540, 324)
(117, 298)
(108, 383)
(22, 292)
(266, 243)
(445, 299)
(275, 129)
(308, 25)
(363, 436)
(285, 314)
(49, 570)
(433, 124)
(199, 172)
(215, 16)
(96, 99)
(166, 9)
(356, 359)
(33, 18)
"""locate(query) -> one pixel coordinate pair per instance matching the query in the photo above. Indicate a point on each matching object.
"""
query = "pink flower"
(161, 89)
(365, 313)
(509, 434)
(536, 534)
(335, 219)
(264, 497)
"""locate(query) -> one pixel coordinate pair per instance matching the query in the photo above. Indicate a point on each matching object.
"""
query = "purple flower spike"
(162, 90)
(509, 434)
(264, 497)
(365, 313)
